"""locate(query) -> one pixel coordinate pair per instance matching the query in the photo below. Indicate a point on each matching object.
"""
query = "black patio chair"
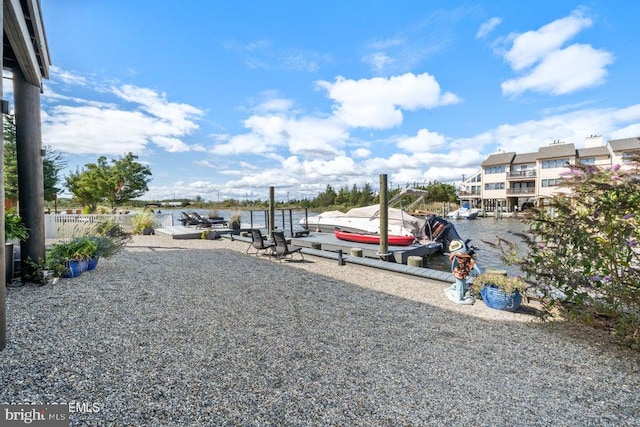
(202, 221)
(187, 219)
(260, 244)
(283, 249)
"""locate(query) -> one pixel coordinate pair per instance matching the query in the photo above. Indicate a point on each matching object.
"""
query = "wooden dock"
(182, 232)
(328, 242)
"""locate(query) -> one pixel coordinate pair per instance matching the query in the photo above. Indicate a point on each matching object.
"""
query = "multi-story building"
(510, 181)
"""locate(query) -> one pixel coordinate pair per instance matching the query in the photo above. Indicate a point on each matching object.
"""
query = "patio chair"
(202, 221)
(283, 249)
(260, 244)
(187, 219)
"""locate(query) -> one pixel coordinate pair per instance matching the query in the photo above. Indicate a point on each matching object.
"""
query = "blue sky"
(223, 99)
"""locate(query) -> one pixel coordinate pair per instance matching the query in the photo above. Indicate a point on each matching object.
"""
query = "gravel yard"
(196, 333)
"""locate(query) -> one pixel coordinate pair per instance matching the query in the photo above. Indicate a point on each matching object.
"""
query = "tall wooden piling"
(272, 210)
(384, 218)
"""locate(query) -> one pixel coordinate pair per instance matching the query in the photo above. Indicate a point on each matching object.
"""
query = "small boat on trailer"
(374, 238)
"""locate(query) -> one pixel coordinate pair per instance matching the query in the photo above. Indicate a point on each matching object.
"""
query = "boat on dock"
(364, 224)
(373, 238)
(464, 213)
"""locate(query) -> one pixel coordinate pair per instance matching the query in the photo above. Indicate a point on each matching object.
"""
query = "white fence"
(62, 226)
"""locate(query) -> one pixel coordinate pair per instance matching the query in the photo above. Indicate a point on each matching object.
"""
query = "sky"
(222, 99)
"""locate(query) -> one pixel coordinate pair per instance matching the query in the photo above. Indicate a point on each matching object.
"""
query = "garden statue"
(461, 266)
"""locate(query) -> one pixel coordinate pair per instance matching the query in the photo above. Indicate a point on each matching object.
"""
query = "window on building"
(494, 186)
(588, 161)
(495, 169)
(555, 163)
(550, 182)
(628, 156)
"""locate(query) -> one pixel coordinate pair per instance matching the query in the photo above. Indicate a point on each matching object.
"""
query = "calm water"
(483, 230)
(479, 230)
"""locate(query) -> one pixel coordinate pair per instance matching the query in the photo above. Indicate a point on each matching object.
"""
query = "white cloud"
(266, 55)
(487, 27)
(424, 141)
(377, 103)
(378, 60)
(526, 137)
(67, 77)
(171, 145)
(276, 105)
(179, 117)
(547, 67)
(414, 41)
(91, 127)
(361, 153)
(563, 71)
(532, 46)
(308, 136)
(88, 130)
(204, 164)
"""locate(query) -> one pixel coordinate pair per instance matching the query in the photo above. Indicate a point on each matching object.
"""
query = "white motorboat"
(464, 213)
(365, 220)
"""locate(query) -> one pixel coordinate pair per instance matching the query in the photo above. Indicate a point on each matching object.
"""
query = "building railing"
(522, 190)
(64, 226)
(469, 193)
(521, 174)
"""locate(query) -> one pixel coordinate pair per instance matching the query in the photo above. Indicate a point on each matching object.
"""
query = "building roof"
(499, 159)
(557, 150)
(525, 158)
(25, 41)
(593, 151)
(625, 144)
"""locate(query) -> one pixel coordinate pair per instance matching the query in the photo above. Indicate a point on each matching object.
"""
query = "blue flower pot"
(92, 263)
(495, 298)
(74, 268)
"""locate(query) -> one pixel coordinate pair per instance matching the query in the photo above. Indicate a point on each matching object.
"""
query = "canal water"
(479, 230)
(483, 230)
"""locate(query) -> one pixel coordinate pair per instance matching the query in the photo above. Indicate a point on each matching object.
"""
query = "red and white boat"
(363, 237)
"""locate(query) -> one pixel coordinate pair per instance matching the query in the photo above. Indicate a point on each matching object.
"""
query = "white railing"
(61, 226)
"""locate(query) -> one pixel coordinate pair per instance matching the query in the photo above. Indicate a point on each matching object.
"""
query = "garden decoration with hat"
(461, 266)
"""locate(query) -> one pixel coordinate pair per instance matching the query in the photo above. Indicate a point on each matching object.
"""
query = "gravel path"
(196, 333)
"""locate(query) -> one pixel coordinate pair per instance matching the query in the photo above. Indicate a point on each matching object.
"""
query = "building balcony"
(467, 193)
(521, 175)
(522, 190)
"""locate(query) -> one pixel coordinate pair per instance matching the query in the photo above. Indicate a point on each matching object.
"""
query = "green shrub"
(142, 220)
(13, 226)
(586, 246)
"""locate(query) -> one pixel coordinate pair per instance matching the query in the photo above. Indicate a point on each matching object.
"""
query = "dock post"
(340, 258)
(272, 210)
(384, 219)
(357, 252)
(414, 261)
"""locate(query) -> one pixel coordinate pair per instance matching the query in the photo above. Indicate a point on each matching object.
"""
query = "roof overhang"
(25, 42)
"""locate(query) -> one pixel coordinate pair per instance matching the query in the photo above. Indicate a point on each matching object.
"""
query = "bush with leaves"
(586, 246)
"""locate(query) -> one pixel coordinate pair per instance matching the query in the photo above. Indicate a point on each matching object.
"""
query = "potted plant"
(499, 291)
(208, 234)
(14, 230)
(142, 222)
(214, 215)
(74, 255)
(46, 271)
(234, 220)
